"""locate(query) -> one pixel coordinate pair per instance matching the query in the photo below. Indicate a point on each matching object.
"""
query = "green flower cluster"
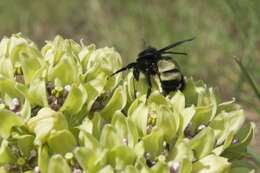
(62, 112)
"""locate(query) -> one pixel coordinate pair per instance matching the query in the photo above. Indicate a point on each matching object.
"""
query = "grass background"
(224, 29)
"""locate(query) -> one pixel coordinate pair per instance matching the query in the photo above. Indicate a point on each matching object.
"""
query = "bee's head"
(148, 51)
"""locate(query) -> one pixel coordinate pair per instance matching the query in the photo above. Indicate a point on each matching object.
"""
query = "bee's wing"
(174, 45)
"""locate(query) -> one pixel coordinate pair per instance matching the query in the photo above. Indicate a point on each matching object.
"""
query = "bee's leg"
(148, 79)
(134, 89)
(158, 74)
(131, 65)
(136, 74)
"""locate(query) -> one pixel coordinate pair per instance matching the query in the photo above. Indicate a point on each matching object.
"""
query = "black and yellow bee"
(153, 62)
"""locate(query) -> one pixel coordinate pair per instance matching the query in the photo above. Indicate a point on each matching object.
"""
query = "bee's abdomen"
(170, 76)
(174, 84)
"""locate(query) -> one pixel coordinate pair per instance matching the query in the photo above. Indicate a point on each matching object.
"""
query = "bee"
(152, 61)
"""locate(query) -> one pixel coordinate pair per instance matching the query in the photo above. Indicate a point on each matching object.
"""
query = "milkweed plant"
(61, 111)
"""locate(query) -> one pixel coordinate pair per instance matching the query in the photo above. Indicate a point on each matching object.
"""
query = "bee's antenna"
(176, 53)
(174, 45)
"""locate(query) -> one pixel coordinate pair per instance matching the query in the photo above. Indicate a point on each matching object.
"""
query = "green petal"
(130, 169)
(226, 123)
(75, 100)
(6, 68)
(210, 164)
(109, 137)
(26, 110)
(6, 155)
(61, 142)
(116, 103)
(160, 168)
(61, 72)
(8, 120)
(101, 64)
(178, 101)
(206, 109)
(88, 141)
(93, 163)
(168, 123)
(106, 169)
(190, 92)
(153, 143)
(30, 65)
(58, 164)
(92, 94)
(138, 113)
(186, 117)
(46, 121)
(85, 54)
(8, 87)
(43, 158)
(2, 170)
(203, 142)
(181, 151)
(25, 143)
(126, 129)
(37, 93)
(121, 156)
(182, 154)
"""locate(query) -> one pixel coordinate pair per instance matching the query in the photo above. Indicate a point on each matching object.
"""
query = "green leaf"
(243, 137)
(242, 170)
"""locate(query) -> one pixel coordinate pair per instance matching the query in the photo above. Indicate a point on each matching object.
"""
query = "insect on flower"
(153, 62)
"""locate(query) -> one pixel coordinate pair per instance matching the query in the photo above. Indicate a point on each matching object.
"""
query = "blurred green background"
(224, 29)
